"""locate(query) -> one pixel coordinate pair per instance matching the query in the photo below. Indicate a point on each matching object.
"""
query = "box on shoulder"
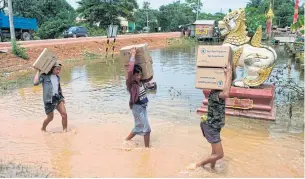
(213, 56)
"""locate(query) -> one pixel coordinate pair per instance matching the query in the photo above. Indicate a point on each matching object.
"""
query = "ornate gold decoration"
(270, 13)
(237, 36)
(257, 38)
(239, 103)
(237, 55)
(262, 77)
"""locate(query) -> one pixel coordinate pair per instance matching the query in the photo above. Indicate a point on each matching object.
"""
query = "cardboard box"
(210, 78)
(45, 61)
(142, 55)
(213, 56)
(146, 68)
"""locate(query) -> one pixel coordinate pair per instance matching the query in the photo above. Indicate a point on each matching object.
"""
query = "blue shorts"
(142, 126)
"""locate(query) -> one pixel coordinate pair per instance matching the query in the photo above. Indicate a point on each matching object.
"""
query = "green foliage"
(87, 55)
(104, 13)
(208, 16)
(52, 16)
(254, 19)
(19, 51)
(175, 14)
(283, 12)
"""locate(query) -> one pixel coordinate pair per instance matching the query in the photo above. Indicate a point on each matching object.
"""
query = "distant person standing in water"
(52, 95)
(215, 120)
(138, 100)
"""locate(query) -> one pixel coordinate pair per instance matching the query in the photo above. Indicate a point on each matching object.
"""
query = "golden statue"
(253, 60)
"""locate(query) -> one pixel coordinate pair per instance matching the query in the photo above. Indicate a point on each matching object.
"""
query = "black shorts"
(50, 107)
(211, 134)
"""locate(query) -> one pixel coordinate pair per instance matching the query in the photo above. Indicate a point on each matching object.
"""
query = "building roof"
(207, 22)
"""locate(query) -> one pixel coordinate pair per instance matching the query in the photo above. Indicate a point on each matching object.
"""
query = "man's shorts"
(211, 134)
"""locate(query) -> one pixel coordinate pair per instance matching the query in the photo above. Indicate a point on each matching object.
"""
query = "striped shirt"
(142, 99)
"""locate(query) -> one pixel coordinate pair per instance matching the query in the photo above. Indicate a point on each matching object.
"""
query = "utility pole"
(147, 18)
(10, 14)
(197, 9)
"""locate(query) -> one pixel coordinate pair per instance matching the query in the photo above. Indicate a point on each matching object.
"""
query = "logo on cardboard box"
(219, 83)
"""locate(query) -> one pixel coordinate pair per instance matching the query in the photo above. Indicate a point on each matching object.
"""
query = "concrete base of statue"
(247, 102)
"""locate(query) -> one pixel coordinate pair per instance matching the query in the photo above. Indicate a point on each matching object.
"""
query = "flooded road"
(100, 119)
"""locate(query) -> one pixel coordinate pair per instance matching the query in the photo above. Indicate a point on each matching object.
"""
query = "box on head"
(142, 58)
(210, 62)
(45, 61)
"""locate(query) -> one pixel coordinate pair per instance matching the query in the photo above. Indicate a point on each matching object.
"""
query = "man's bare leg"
(147, 139)
(130, 136)
(218, 154)
(64, 117)
(213, 163)
(47, 121)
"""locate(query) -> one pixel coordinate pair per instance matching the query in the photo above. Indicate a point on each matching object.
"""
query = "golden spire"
(270, 14)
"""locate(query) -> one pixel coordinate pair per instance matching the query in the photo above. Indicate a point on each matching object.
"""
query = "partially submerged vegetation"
(18, 170)
(19, 51)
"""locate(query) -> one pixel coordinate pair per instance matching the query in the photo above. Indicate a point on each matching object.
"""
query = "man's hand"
(225, 70)
(133, 52)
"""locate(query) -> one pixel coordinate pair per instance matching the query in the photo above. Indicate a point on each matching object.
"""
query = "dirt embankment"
(75, 48)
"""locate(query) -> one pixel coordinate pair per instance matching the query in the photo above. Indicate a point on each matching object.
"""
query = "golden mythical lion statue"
(254, 62)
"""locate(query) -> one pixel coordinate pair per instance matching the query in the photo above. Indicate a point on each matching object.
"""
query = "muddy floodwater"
(100, 119)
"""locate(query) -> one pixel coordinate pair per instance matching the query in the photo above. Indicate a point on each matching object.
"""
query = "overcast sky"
(210, 6)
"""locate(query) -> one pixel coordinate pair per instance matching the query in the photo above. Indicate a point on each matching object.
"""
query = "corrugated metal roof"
(208, 22)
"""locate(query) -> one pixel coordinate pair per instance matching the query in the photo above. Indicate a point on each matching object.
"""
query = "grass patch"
(182, 41)
(92, 56)
(17, 170)
(19, 51)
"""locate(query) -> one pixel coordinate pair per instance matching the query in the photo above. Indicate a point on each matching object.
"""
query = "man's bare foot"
(65, 130)
(213, 165)
(43, 130)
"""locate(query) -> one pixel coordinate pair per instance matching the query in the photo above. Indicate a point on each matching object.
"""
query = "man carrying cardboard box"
(211, 124)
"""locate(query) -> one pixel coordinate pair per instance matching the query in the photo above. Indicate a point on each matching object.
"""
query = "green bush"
(19, 51)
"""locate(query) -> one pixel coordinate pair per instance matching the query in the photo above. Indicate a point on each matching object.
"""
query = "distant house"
(203, 28)
(127, 26)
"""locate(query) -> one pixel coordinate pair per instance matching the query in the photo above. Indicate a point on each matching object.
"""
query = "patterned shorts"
(142, 126)
(211, 134)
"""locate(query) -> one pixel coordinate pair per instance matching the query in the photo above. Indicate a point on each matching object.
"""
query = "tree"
(208, 16)
(194, 4)
(52, 16)
(106, 12)
(141, 17)
(283, 10)
(254, 19)
(173, 15)
(146, 5)
(255, 3)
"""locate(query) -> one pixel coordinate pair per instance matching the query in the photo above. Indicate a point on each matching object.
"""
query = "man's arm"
(226, 91)
(130, 68)
(38, 78)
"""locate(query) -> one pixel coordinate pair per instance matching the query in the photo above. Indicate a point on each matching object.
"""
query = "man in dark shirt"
(215, 120)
